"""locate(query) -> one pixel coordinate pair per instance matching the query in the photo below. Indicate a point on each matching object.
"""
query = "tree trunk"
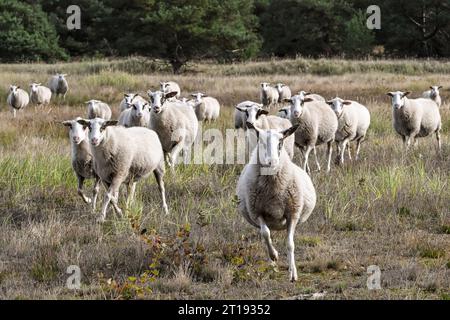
(177, 65)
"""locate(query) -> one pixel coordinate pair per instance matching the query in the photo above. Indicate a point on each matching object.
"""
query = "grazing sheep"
(273, 193)
(175, 123)
(124, 155)
(313, 96)
(434, 95)
(170, 86)
(269, 95)
(138, 115)
(353, 122)
(415, 118)
(82, 160)
(285, 113)
(206, 108)
(40, 94)
(318, 125)
(128, 99)
(58, 85)
(284, 92)
(98, 109)
(256, 116)
(17, 99)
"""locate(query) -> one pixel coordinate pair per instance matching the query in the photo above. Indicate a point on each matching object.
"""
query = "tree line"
(233, 30)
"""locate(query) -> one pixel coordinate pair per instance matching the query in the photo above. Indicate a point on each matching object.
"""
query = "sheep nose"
(296, 114)
(396, 106)
(139, 115)
(94, 141)
(76, 139)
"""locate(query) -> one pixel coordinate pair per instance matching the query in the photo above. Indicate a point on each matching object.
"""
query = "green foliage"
(26, 34)
(358, 38)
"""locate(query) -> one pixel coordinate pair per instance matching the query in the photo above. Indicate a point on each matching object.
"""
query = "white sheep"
(415, 118)
(170, 86)
(175, 123)
(239, 116)
(58, 85)
(318, 125)
(268, 95)
(124, 155)
(275, 194)
(128, 99)
(40, 94)
(82, 159)
(434, 95)
(284, 92)
(17, 99)
(257, 116)
(206, 108)
(353, 122)
(98, 109)
(138, 115)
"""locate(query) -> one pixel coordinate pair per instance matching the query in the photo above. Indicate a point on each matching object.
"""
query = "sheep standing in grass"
(273, 193)
(206, 108)
(317, 125)
(268, 95)
(17, 99)
(82, 160)
(98, 109)
(175, 123)
(353, 122)
(128, 99)
(284, 92)
(257, 116)
(40, 94)
(58, 85)
(138, 115)
(415, 118)
(434, 95)
(124, 155)
(170, 86)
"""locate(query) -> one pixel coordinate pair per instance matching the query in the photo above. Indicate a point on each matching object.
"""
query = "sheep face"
(92, 103)
(337, 105)
(297, 105)
(279, 87)
(398, 99)
(164, 86)
(139, 108)
(198, 96)
(96, 128)
(34, 87)
(13, 89)
(434, 91)
(265, 86)
(252, 112)
(77, 132)
(270, 144)
(61, 78)
(129, 97)
(158, 98)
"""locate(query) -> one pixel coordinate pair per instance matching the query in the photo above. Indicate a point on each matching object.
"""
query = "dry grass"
(390, 209)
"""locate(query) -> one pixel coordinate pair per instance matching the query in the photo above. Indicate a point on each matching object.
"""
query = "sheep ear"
(83, 122)
(170, 94)
(149, 93)
(287, 100)
(329, 102)
(251, 126)
(240, 109)
(431, 87)
(308, 99)
(307, 93)
(109, 123)
(67, 123)
(260, 112)
(347, 102)
(390, 94)
(406, 93)
(193, 95)
(440, 87)
(286, 133)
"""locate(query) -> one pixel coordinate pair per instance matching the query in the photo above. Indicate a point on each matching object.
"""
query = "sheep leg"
(265, 233)
(329, 153)
(111, 197)
(317, 160)
(131, 189)
(344, 146)
(14, 112)
(159, 173)
(80, 189)
(175, 152)
(168, 159)
(438, 139)
(95, 192)
(291, 248)
(306, 165)
(358, 148)
(349, 151)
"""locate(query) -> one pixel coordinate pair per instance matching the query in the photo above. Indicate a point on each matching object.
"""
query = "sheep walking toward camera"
(98, 109)
(128, 99)
(434, 95)
(415, 118)
(255, 115)
(17, 99)
(124, 155)
(274, 193)
(206, 108)
(268, 95)
(284, 92)
(175, 123)
(170, 86)
(58, 85)
(353, 122)
(82, 160)
(40, 94)
(138, 115)
(317, 125)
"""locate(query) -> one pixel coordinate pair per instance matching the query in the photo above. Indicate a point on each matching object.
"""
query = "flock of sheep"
(274, 193)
